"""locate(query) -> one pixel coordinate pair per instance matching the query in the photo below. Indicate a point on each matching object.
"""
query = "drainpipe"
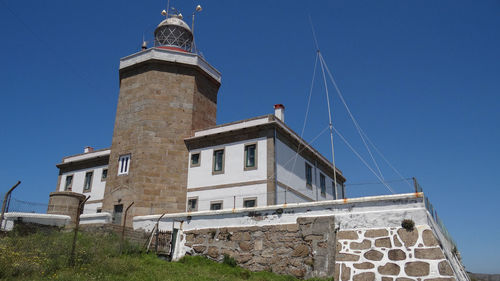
(276, 172)
(316, 178)
(7, 195)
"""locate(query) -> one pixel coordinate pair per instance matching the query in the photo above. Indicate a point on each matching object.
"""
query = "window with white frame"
(250, 156)
(87, 185)
(68, 183)
(195, 159)
(218, 161)
(322, 184)
(216, 205)
(192, 204)
(123, 164)
(249, 202)
(308, 175)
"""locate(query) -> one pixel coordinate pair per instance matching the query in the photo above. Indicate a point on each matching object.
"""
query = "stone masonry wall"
(390, 254)
(304, 249)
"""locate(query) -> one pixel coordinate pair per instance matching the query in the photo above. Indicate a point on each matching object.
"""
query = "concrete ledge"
(43, 219)
(171, 56)
(97, 218)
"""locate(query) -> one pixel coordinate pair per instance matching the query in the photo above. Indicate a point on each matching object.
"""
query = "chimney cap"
(279, 105)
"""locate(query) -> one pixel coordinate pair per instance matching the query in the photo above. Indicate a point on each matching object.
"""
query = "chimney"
(279, 112)
(88, 149)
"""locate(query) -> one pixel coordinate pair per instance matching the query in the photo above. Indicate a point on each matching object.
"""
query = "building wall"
(234, 181)
(291, 174)
(155, 113)
(97, 188)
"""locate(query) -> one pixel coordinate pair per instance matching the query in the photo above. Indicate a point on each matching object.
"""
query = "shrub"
(408, 224)
(229, 260)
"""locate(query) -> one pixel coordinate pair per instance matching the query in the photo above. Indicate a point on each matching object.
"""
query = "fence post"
(123, 226)
(7, 195)
(77, 222)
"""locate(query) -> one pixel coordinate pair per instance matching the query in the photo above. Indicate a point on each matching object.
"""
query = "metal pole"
(234, 202)
(73, 247)
(123, 226)
(5, 201)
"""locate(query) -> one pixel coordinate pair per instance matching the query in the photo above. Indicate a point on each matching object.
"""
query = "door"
(117, 214)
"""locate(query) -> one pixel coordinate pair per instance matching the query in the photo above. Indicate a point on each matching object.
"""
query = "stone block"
(440, 279)
(365, 276)
(346, 257)
(366, 244)
(301, 250)
(397, 243)
(445, 268)
(387, 278)
(347, 235)
(213, 252)
(417, 269)
(199, 249)
(405, 279)
(346, 273)
(429, 254)
(364, 265)
(383, 242)
(374, 233)
(429, 238)
(242, 258)
(313, 237)
(396, 255)
(389, 269)
(374, 255)
(245, 246)
(409, 238)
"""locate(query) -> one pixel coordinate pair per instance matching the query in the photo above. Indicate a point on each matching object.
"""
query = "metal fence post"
(73, 247)
(7, 195)
(123, 227)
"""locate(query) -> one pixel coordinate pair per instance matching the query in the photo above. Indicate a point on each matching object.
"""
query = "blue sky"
(421, 77)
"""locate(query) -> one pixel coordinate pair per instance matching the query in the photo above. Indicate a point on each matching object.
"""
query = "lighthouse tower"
(166, 92)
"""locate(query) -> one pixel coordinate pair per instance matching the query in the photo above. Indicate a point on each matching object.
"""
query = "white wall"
(227, 195)
(293, 173)
(234, 172)
(97, 188)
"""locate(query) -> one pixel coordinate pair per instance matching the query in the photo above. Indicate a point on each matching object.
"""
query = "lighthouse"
(166, 93)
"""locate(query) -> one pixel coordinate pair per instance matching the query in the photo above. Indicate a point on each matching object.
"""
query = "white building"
(253, 162)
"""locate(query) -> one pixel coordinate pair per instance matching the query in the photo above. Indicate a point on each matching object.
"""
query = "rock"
(445, 268)
(404, 279)
(366, 244)
(243, 258)
(298, 272)
(346, 257)
(300, 250)
(373, 233)
(245, 246)
(346, 273)
(429, 238)
(366, 276)
(429, 254)
(387, 279)
(409, 238)
(199, 249)
(396, 255)
(347, 235)
(213, 252)
(397, 243)
(364, 265)
(374, 255)
(440, 279)
(292, 227)
(313, 237)
(383, 242)
(389, 269)
(417, 268)
(258, 245)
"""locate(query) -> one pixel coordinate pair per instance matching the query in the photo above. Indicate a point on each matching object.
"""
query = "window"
(340, 191)
(99, 210)
(218, 161)
(192, 204)
(250, 156)
(123, 164)
(216, 205)
(88, 182)
(308, 175)
(249, 202)
(334, 191)
(322, 184)
(195, 159)
(104, 174)
(68, 183)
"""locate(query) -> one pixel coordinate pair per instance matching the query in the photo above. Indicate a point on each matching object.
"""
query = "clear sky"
(421, 77)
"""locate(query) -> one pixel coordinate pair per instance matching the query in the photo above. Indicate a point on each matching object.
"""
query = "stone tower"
(166, 92)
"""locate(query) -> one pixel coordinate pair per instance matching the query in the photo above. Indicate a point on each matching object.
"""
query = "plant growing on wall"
(408, 224)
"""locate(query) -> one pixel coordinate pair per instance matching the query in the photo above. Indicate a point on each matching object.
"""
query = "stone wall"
(390, 254)
(134, 236)
(304, 249)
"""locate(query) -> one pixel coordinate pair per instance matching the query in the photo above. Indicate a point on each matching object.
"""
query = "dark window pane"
(88, 181)
(216, 206)
(249, 203)
(195, 158)
(250, 155)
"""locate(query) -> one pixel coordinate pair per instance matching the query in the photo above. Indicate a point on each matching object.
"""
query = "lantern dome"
(174, 33)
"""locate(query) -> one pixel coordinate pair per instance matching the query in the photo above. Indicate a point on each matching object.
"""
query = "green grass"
(44, 256)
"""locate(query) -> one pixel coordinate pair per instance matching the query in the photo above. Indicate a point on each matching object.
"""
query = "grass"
(44, 256)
